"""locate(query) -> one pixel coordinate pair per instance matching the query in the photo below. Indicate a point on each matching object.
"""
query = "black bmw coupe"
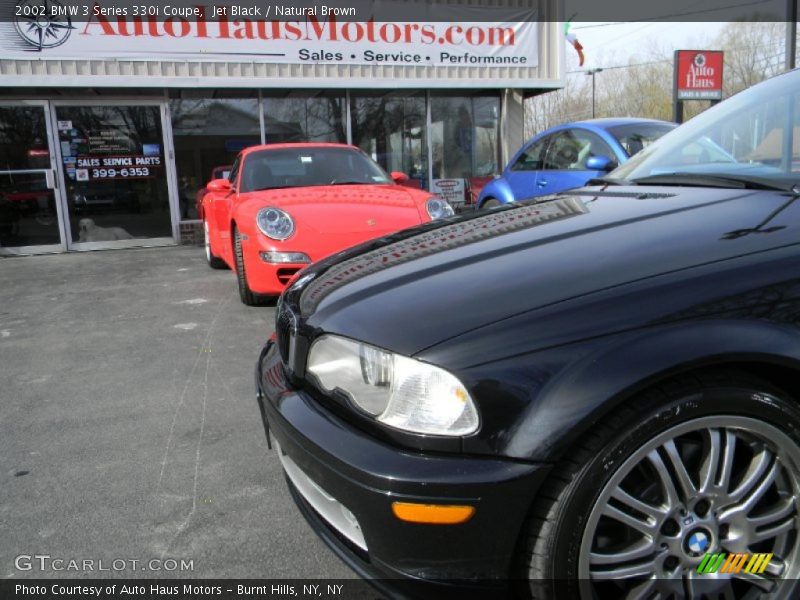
(589, 395)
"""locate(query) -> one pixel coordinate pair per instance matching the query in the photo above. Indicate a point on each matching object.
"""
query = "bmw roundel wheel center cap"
(697, 543)
(688, 537)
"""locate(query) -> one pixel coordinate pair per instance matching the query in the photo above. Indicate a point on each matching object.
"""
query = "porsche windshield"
(309, 166)
(751, 138)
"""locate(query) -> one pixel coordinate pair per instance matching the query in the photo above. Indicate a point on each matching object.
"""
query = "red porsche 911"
(284, 206)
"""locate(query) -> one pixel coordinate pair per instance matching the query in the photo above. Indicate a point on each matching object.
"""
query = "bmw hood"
(413, 290)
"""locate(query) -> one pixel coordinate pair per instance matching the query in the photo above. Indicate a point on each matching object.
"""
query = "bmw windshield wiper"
(349, 182)
(714, 180)
(608, 181)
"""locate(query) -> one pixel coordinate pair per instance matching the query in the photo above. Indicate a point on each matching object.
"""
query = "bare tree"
(643, 87)
(753, 52)
(570, 103)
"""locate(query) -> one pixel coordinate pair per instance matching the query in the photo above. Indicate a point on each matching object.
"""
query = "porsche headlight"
(438, 209)
(398, 391)
(275, 223)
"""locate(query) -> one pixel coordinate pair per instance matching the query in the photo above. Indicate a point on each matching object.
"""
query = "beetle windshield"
(305, 166)
(752, 138)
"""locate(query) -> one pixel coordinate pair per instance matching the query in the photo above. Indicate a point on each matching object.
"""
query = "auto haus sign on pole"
(209, 32)
(698, 76)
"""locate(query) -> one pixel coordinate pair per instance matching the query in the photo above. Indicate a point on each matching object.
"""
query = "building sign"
(451, 190)
(106, 153)
(698, 74)
(89, 168)
(210, 32)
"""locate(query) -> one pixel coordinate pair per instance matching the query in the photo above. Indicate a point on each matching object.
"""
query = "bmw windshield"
(750, 140)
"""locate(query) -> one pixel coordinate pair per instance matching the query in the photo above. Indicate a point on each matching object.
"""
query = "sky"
(612, 44)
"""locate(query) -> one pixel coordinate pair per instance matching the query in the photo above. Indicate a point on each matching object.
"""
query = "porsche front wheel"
(689, 491)
(247, 296)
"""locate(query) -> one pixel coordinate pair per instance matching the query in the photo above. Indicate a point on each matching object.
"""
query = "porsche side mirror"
(219, 185)
(398, 177)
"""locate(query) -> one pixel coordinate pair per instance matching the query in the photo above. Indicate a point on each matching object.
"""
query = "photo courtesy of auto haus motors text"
(159, 590)
(414, 299)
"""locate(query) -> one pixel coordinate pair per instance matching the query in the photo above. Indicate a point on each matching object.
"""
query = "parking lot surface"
(128, 424)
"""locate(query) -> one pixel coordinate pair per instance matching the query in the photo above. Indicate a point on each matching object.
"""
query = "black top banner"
(399, 10)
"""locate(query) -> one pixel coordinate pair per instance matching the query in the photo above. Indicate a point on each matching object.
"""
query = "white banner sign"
(310, 39)
(451, 190)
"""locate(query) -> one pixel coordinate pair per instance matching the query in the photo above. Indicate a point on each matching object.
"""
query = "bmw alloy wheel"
(718, 484)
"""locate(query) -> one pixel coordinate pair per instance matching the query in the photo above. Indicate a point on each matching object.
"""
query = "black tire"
(247, 296)
(490, 203)
(560, 520)
(214, 261)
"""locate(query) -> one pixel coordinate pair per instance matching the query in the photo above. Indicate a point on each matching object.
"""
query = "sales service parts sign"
(46, 29)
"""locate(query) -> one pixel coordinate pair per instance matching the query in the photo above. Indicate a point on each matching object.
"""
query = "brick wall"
(191, 233)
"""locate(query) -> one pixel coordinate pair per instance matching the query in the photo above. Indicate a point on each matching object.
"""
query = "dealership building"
(118, 121)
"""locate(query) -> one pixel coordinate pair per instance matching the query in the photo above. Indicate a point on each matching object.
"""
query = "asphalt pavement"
(129, 428)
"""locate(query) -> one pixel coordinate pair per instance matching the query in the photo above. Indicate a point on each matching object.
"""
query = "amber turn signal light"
(432, 514)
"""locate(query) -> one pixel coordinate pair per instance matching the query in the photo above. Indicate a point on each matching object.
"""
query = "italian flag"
(572, 39)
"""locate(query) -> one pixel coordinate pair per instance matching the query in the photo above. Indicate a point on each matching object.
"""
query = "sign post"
(698, 76)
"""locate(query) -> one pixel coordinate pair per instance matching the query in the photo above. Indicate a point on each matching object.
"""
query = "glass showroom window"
(304, 117)
(391, 129)
(208, 133)
(464, 145)
(27, 202)
(115, 170)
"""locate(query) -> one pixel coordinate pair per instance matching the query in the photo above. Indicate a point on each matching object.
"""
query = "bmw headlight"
(275, 223)
(438, 209)
(398, 391)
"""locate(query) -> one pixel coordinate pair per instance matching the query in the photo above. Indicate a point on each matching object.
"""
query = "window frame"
(574, 131)
(545, 144)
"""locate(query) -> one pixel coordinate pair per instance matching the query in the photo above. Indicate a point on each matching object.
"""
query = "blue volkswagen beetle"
(567, 156)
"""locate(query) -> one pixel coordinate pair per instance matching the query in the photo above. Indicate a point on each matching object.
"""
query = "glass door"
(29, 211)
(390, 127)
(115, 174)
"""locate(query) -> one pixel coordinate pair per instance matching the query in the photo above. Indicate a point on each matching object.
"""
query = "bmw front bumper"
(344, 481)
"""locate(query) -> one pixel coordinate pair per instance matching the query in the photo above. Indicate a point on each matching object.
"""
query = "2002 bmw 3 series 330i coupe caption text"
(581, 396)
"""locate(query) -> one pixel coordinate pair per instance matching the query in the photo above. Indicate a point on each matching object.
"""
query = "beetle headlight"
(438, 209)
(275, 223)
(396, 390)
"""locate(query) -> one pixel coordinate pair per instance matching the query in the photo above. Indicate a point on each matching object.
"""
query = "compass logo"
(42, 24)
(700, 60)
